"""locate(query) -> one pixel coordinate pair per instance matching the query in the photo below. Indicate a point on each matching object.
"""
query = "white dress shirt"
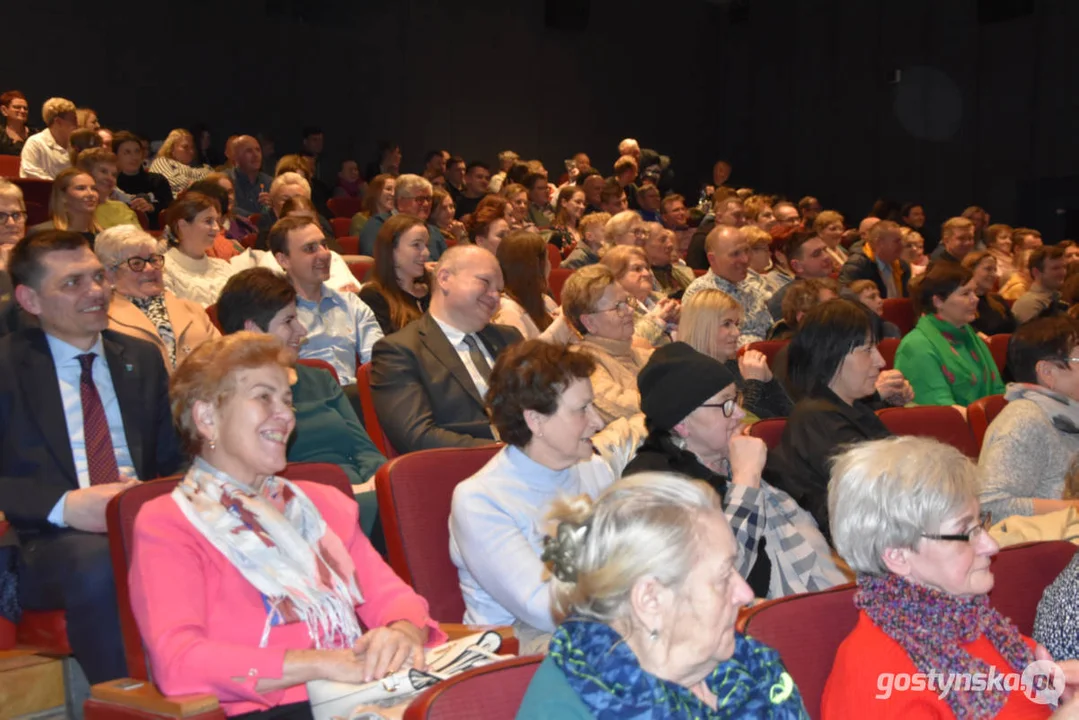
(457, 340)
(42, 157)
(69, 377)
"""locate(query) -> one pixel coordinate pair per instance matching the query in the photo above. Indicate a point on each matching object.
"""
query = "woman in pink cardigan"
(245, 585)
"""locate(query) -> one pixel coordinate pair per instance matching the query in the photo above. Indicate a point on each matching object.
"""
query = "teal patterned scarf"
(605, 674)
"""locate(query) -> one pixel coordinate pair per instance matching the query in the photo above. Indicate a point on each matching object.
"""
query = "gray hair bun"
(562, 551)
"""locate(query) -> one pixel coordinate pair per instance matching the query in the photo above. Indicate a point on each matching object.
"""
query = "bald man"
(251, 184)
(728, 270)
(629, 146)
(429, 379)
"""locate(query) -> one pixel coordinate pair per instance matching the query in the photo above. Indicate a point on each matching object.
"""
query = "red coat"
(867, 653)
(201, 620)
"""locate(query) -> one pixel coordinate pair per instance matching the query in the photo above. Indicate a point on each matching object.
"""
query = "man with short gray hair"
(412, 195)
(45, 154)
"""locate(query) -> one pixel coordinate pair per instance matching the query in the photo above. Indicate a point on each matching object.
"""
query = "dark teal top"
(327, 429)
(550, 696)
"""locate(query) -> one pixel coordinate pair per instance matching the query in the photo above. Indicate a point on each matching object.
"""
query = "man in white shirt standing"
(429, 379)
(84, 413)
(340, 326)
(45, 154)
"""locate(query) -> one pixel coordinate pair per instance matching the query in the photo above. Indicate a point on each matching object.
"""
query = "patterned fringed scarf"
(277, 539)
(931, 625)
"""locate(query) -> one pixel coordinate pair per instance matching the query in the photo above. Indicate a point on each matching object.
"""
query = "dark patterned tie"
(478, 359)
(100, 456)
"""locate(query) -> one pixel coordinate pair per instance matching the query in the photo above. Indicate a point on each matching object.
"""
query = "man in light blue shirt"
(340, 326)
(84, 414)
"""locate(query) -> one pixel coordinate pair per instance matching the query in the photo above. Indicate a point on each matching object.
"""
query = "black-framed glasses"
(138, 264)
(728, 406)
(985, 521)
(17, 216)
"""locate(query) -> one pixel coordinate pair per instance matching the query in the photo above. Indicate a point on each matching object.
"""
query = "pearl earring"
(213, 445)
(653, 636)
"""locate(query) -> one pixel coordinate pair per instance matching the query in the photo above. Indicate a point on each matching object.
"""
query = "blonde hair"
(208, 375)
(859, 286)
(12, 191)
(756, 236)
(582, 291)
(699, 323)
(290, 178)
(952, 224)
(592, 219)
(646, 525)
(55, 107)
(620, 225)
(754, 204)
(165, 151)
(82, 116)
(618, 258)
(826, 218)
(58, 199)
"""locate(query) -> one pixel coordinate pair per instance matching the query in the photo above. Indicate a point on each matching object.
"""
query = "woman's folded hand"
(385, 650)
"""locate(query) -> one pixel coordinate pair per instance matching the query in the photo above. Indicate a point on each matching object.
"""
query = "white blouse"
(199, 280)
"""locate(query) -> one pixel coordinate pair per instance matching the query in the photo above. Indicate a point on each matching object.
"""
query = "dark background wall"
(801, 95)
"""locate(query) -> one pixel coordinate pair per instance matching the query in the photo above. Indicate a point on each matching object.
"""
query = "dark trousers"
(72, 571)
(293, 711)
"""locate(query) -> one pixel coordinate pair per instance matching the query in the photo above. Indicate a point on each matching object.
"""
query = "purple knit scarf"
(931, 625)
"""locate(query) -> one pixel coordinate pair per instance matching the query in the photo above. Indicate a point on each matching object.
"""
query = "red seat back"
(806, 630)
(770, 348)
(942, 422)
(36, 213)
(415, 492)
(998, 346)
(887, 348)
(770, 431)
(341, 226)
(980, 415)
(211, 312)
(120, 517)
(493, 692)
(9, 166)
(1022, 572)
(556, 280)
(144, 221)
(554, 255)
(370, 417)
(361, 268)
(344, 207)
(899, 312)
(321, 365)
(350, 245)
(249, 240)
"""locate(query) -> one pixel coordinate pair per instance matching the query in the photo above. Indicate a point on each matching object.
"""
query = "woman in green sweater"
(327, 429)
(943, 357)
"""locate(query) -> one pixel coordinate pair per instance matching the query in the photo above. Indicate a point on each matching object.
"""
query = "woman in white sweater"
(191, 274)
(540, 402)
(1030, 449)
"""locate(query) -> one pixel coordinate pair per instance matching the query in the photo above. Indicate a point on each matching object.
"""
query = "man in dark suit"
(84, 413)
(429, 379)
(878, 260)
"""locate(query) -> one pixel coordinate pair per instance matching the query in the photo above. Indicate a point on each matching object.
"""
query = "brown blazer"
(190, 323)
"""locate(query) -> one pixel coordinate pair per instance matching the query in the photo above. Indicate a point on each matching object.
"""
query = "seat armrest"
(142, 695)
(510, 644)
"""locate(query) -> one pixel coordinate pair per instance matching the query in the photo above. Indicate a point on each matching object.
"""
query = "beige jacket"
(190, 324)
(614, 381)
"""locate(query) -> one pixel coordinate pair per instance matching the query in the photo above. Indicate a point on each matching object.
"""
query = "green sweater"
(947, 365)
(327, 429)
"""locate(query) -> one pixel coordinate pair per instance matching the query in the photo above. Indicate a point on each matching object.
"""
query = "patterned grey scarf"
(154, 308)
(1061, 410)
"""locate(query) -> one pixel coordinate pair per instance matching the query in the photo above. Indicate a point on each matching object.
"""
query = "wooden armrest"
(142, 695)
(510, 645)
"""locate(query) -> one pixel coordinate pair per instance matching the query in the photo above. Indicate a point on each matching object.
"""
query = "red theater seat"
(492, 692)
(942, 422)
(980, 415)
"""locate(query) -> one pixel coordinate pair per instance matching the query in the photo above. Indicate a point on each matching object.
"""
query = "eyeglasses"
(17, 217)
(640, 232)
(728, 406)
(422, 199)
(620, 308)
(138, 264)
(985, 521)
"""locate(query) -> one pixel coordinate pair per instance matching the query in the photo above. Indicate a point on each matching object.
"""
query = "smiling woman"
(72, 203)
(399, 291)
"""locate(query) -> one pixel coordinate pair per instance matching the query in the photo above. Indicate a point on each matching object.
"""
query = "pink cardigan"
(201, 621)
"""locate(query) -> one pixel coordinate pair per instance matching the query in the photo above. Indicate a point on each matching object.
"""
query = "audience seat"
(350, 244)
(1022, 573)
(45, 631)
(254, 218)
(36, 213)
(941, 422)
(698, 273)
(998, 346)
(980, 415)
(9, 166)
(361, 267)
(344, 207)
(769, 430)
(415, 492)
(248, 241)
(144, 221)
(887, 348)
(370, 418)
(321, 365)
(493, 692)
(211, 312)
(899, 312)
(770, 348)
(34, 190)
(556, 280)
(554, 255)
(341, 226)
